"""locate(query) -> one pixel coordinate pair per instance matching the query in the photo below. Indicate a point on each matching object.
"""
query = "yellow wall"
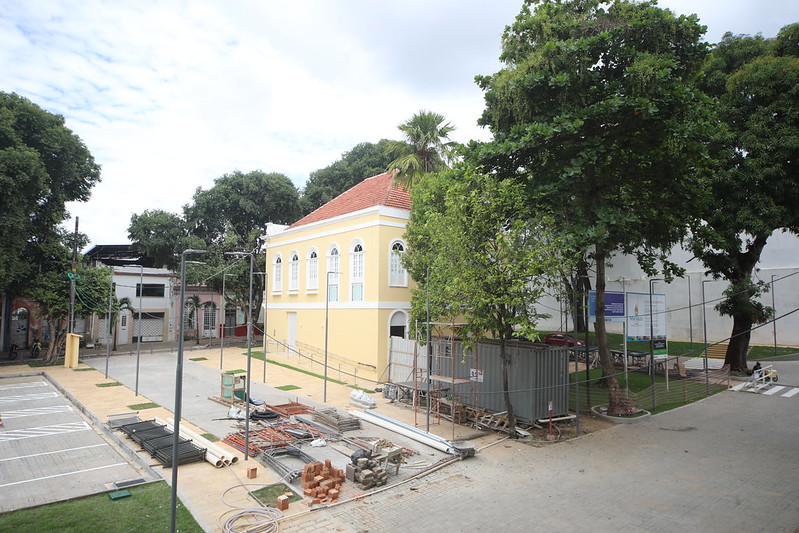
(357, 331)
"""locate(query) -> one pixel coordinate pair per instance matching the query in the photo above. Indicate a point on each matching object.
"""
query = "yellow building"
(336, 279)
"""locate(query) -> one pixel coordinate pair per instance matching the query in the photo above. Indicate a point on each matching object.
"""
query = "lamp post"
(652, 341)
(774, 318)
(223, 321)
(429, 352)
(138, 326)
(263, 299)
(249, 356)
(704, 331)
(179, 386)
(110, 324)
(327, 313)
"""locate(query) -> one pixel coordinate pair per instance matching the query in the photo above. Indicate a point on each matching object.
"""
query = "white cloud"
(170, 95)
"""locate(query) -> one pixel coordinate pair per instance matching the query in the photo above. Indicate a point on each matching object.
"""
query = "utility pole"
(73, 273)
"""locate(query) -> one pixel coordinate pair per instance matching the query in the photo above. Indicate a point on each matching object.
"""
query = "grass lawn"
(288, 387)
(268, 495)
(260, 356)
(148, 508)
(142, 406)
(112, 384)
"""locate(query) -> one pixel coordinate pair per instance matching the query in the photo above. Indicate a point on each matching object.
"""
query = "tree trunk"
(57, 341)
(739, 343)
(503, 355)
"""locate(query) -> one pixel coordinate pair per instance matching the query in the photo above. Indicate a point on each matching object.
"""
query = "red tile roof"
(371, 192)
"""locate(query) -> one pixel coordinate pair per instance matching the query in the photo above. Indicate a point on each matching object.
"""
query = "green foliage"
(363, 161)
(752, 192)
(427, 149)
(43, 165)
(160, 236)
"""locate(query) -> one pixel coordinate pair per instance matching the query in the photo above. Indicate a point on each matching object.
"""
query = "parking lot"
(49, 451)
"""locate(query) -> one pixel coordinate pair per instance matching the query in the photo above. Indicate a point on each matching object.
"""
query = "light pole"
(327, 313)
(138, 326)
(223, 321)
(179, 386)
(704, 332)
(652, 341)
(429, 352)
(263, 299)
(774, 317)
(110, 334)
(249, 356)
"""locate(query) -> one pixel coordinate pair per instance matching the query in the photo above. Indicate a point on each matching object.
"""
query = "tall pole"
(774, 320)
(179, 388)
(223, 321)
(327, 314)
(572, 300)
(74, 271)
(263, 299)
(652, 342)
(249, 357)
(138, 322)
(704, 334)
(108, 340)
(690, 315)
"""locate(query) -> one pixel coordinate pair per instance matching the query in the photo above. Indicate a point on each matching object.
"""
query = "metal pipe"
(138, 334)
(652, 342)
(108, 340)
(774, 317)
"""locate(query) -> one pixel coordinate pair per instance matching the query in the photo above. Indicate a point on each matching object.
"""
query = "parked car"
(562, 339)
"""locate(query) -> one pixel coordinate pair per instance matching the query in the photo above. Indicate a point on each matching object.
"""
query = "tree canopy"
(597, 114)
(43, 165)
(753, 190)
(363, 161)
(426, 149)
(479, 257)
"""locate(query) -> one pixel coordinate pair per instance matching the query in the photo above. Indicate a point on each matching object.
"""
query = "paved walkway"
(726, 463)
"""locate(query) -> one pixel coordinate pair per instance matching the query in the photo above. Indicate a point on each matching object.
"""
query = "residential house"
(336, 280)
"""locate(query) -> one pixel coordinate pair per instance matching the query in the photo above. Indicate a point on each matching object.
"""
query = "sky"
(170, 95)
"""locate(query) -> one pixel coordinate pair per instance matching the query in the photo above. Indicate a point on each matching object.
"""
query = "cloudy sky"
(169, 95)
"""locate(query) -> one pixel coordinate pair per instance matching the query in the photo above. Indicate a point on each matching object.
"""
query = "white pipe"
(425, 438)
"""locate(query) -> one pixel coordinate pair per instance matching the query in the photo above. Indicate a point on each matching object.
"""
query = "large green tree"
(427, 147)
(43, 165)
(363, 161)
(479, 257)
(230, 216)
(753, 191)
(596, 112)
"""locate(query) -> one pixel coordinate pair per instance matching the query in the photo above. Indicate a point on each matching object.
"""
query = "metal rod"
(652, 342)
(429, 353)
(108, 340)
(774, 318)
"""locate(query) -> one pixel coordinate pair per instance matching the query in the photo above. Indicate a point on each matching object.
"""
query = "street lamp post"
(704, 332)
(138, 326)
(224, 318)
(179, 386)
(429, 352)
(263, 299)
(327, 313)
(774, 317)
(249, 356)
(652, 341)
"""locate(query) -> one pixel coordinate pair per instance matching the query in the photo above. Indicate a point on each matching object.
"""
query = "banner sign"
(614, 306)
(638, 324)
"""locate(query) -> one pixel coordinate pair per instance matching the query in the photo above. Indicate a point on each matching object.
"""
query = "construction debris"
(322, 483)
(333, 419)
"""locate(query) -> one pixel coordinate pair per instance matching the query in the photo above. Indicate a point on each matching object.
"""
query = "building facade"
(336, 279)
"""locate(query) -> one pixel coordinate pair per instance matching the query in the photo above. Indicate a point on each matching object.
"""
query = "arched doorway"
(398, 325)
(19, 327)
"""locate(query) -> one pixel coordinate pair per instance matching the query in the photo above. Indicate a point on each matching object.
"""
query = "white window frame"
(294, 272)
(397, 274)
(312, 270)
(357, 271)
(333, 265)
(277, 274)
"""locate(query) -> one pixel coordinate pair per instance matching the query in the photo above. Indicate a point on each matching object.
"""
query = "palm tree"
(193, 305)
(428, 147)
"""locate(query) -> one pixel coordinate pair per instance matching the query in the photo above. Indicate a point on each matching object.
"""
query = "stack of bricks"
(321, 483)
(367, 474)
(283, 501)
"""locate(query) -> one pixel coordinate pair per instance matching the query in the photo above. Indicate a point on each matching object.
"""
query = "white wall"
(779, 259)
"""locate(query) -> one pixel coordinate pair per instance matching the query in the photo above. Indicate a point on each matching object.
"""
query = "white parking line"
(25, 385)
(21, 413)
(28, 397)
(51, 453)
(773, 390)
(43, 431)
(61, 475)
(793, 392)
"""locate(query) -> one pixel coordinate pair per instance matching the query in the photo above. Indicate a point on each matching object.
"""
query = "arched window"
(312, 281)
(397, 275)
(277, 275)
(294, 272)
(209, 319)
(398, 325)
(356, 272)
(332, 279)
